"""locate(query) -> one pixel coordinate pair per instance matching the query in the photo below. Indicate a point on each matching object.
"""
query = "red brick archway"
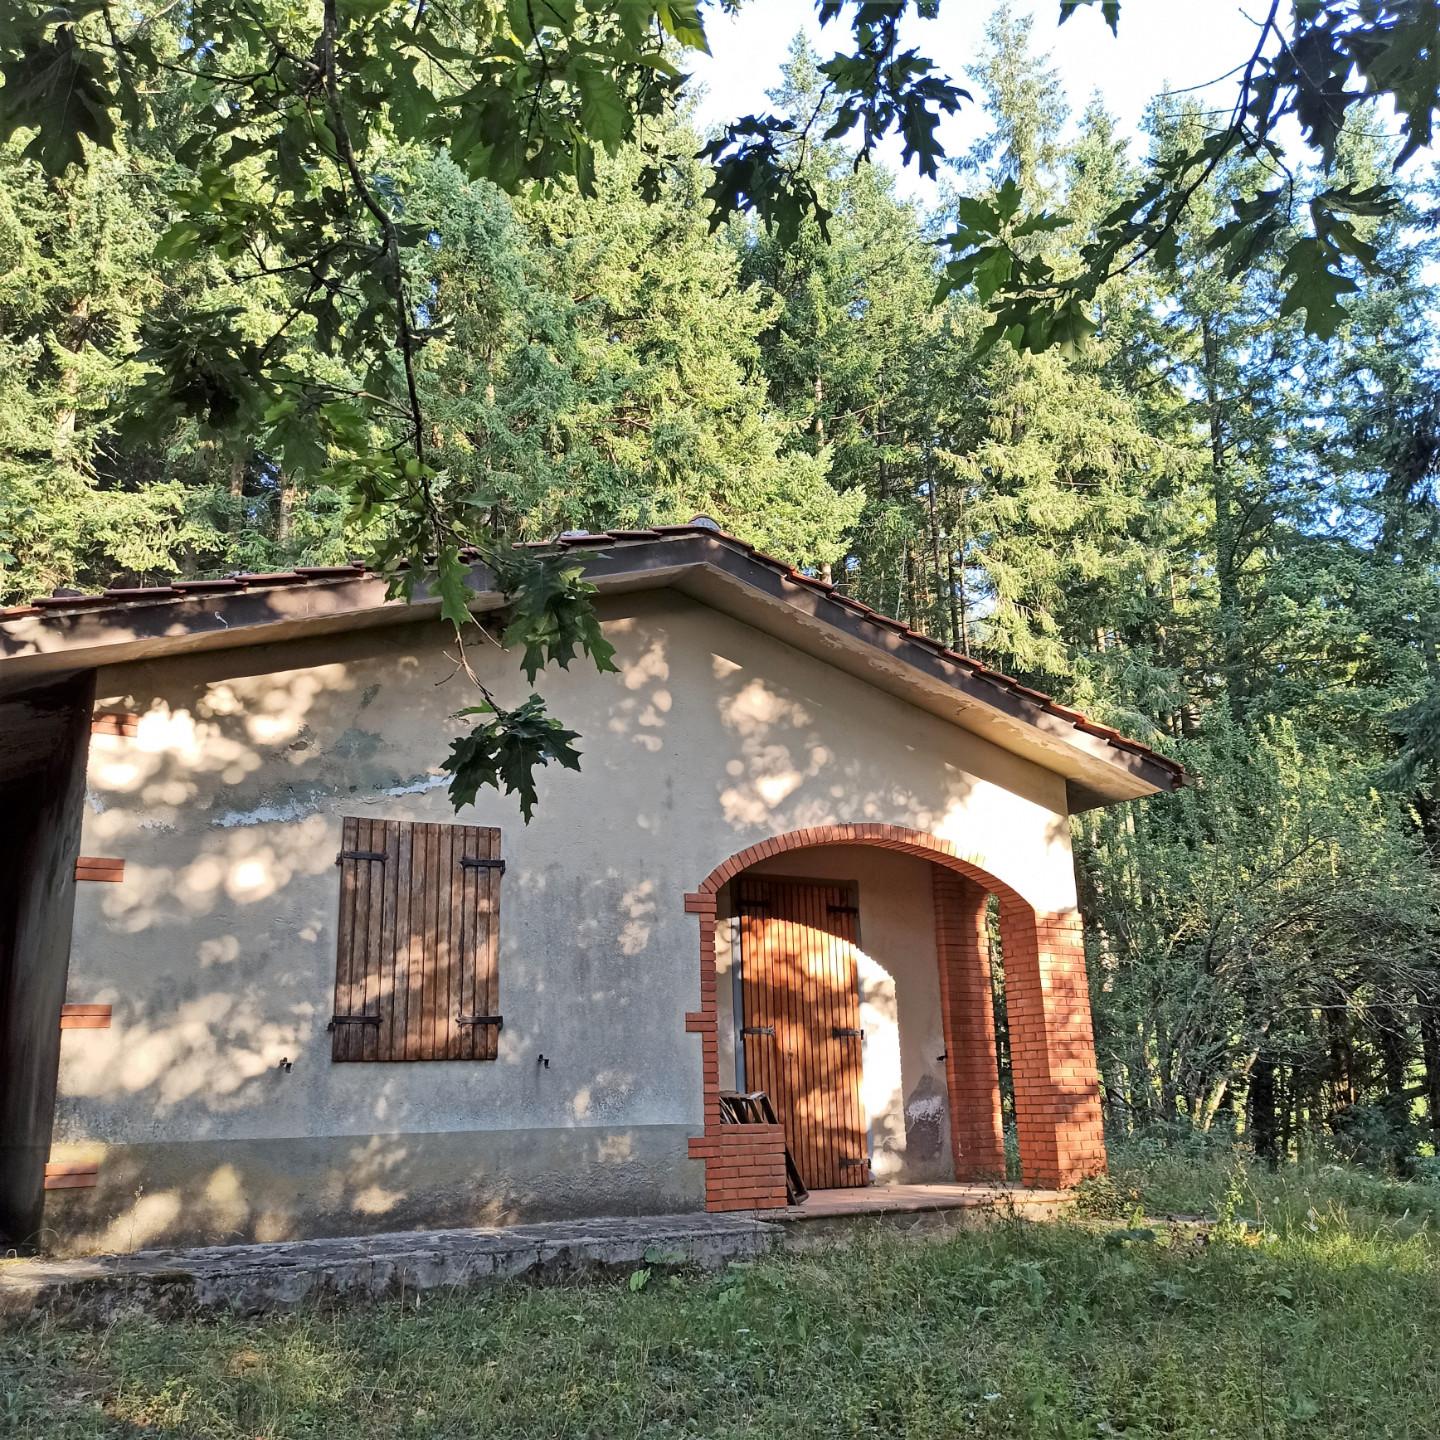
(1052, 1047)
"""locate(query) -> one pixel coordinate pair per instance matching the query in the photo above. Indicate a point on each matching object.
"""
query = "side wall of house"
(211, 1105)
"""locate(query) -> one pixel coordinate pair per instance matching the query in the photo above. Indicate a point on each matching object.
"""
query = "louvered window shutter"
(416, 975)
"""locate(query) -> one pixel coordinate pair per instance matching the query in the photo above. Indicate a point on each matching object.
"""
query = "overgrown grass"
(1322, 1320)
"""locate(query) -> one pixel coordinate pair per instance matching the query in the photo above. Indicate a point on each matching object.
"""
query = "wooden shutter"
(416, 976)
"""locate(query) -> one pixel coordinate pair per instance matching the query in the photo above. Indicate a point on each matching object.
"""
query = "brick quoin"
(1047, 996)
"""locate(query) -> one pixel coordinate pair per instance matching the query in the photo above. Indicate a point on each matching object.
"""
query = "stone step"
(253, 1279)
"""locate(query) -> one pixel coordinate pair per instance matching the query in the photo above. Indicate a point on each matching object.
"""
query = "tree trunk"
(1226, 540)
(1342, 1059)
(77, 323)
(285, 510)
(1263, 1121)
(937, 582)
(1430, 1048)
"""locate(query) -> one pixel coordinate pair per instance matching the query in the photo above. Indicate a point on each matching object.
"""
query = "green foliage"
(296, 142)
(507, 750)
(550, 614)
(1317, 1317)
(59, 90)
(1203, 524)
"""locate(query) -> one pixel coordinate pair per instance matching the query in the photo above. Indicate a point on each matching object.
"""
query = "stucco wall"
(217, 952)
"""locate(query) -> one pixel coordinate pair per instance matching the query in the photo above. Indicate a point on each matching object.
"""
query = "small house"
(259, 980)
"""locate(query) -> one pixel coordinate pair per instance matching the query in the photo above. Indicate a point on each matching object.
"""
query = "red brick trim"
(744, 1166)
(886, 837)
(96, 867)
(114, 722)
(1052, 1047)
(60, 1176)
(967, 1014)
(84, 1017)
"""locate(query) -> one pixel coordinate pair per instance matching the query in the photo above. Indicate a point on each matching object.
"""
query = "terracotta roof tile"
(271, 577)
(121, 596)
(70, 602)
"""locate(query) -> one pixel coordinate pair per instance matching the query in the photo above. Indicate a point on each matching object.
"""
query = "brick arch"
(1057, 1109)
(883, 837)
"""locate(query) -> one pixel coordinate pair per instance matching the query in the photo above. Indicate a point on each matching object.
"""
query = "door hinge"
(757, 1030)
(352, 1020)
(855, 1164)
(497, 1021)
(847, 1032)
(359, 855)
(470, 862)
(843, 909)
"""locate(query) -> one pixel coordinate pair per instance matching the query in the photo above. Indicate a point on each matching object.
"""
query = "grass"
(1320, 1317)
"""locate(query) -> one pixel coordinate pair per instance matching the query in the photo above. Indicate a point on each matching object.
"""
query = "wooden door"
(801, 1022)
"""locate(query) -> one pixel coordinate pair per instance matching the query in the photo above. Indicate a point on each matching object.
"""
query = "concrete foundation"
(255, 1279)
(267, 1190)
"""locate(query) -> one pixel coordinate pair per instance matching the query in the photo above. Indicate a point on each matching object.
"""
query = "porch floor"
(892, 1199)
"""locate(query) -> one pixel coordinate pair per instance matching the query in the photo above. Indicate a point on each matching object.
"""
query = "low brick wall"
(744, 1167)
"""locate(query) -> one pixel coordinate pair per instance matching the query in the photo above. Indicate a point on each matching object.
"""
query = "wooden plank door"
(801, 1022)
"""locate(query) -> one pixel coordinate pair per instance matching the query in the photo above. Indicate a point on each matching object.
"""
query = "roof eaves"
(122, 597)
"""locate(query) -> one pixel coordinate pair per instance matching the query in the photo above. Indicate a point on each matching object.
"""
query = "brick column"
(967, 1011)
(1052, 1046)
(744, 1164)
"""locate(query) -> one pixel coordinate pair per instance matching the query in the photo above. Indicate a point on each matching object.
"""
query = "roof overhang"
(1100, 766)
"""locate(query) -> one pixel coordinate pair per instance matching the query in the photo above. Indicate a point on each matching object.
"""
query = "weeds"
(1310, 1307)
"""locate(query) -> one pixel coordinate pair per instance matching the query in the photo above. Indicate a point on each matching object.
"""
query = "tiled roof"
(120, 598)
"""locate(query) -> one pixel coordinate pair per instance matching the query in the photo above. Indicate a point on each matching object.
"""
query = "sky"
(1184, 43)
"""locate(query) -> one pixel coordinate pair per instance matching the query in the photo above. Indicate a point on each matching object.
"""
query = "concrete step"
(253, 1279)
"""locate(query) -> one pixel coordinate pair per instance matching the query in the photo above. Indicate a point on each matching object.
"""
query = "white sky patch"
(1183, 44)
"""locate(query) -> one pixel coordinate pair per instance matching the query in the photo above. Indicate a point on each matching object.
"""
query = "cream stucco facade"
(212, 1103)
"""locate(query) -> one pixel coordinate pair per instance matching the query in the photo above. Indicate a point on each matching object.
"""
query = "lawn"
(1318, 1317)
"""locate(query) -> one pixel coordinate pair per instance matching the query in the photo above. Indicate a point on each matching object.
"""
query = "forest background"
(1210, 528)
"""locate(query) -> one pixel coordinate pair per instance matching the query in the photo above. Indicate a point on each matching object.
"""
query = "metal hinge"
(855, 1164)
(469, 862)
(496, 1020)
(359, 855)
(847, 1032)
(757, 1029)
(843, 909)
(352, 1020)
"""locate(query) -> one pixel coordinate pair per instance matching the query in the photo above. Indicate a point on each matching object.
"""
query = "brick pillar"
(744, 1164)
(967, 1011)
(1052, 1046)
